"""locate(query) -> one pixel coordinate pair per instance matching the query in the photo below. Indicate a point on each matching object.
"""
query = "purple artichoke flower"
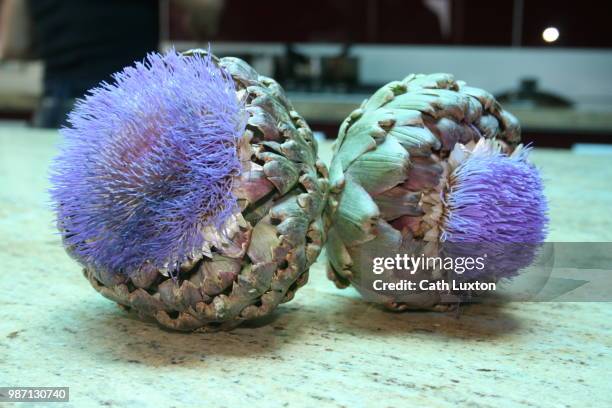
(149, 160)
(429, 166)
(496, 198)
(191, 192)
(495, 206)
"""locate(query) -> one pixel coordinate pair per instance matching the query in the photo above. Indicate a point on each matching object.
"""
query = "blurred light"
(550, 34)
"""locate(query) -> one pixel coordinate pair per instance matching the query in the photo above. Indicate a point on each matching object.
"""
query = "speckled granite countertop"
(324, 348)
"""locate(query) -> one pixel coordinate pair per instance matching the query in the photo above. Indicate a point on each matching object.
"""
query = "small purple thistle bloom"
(496, 206)
(148, 161)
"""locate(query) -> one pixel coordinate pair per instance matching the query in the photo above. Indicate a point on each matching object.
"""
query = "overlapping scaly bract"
(429, 166)
(148, 161)
(191, 192)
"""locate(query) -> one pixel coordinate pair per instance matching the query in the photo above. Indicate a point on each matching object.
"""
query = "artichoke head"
(398, 168)
(257, 251)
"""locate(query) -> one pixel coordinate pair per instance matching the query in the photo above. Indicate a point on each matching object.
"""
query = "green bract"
(261, 254)
(390, 171)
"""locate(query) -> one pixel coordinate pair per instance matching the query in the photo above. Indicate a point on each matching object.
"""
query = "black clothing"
(82, 42)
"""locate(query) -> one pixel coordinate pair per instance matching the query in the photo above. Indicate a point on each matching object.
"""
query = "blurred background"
(549, 62)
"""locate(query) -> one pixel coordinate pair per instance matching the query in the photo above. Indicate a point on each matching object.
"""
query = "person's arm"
(14, 29)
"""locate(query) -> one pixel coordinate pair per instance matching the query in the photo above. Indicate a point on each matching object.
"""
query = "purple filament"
(496, 205)
(148, 161)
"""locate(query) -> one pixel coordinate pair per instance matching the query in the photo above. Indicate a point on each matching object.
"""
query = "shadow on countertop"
(476, 322)
(115, 335)
(121, 336)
